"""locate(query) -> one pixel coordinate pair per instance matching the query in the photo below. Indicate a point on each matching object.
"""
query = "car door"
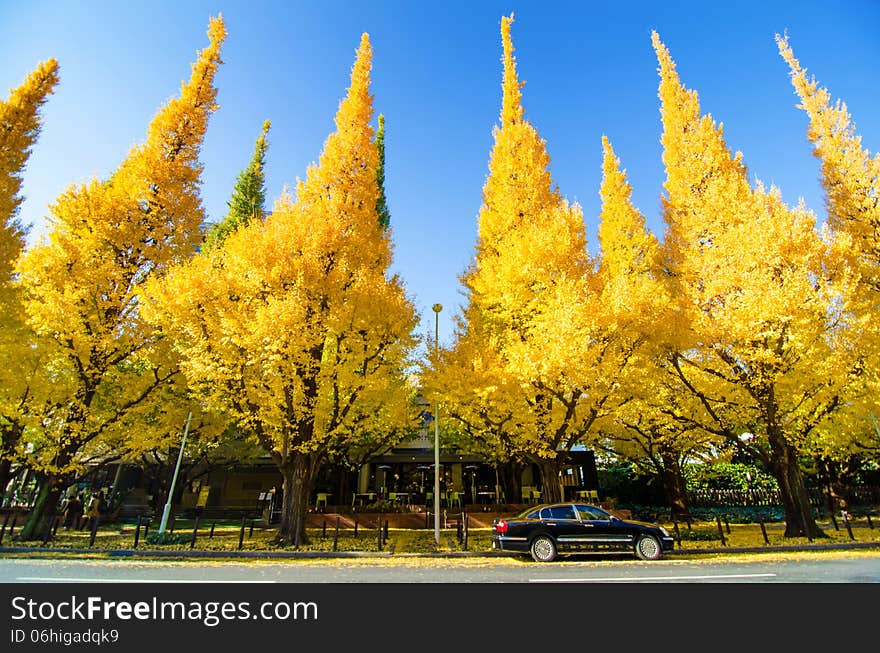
(562, 522)
(599, 531)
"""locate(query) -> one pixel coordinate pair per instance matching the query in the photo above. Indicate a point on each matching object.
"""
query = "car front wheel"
(648, 547)
(543, 549)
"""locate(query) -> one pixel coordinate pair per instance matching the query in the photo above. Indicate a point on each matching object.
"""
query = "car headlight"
(664, 531)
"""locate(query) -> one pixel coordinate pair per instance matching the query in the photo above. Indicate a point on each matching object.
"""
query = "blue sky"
(588, 66)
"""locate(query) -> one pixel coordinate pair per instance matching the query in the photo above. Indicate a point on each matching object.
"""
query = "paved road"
(856, 568)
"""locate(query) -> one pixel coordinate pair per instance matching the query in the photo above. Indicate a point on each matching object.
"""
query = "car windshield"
(591, 512)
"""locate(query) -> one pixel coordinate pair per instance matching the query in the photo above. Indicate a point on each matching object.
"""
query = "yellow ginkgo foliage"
(82, 283)
(292, 325)
(769, 356)
(534, 289)
(20, 125)
(851, 180)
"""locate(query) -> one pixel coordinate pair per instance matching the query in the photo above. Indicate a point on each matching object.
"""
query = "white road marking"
(646, 578)
(56, 579)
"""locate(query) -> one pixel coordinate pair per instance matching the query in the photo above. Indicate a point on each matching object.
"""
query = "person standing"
(94, 510)
(73, 512)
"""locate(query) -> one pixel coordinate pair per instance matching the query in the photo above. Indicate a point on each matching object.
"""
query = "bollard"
(211, 536)
(336, 535)
(94, 531)
(427, 519)
(846, 523)
(834, 521)
(726, 524)
(721, 531)
(3, 530)
(147, 527)
(192, 542)
(379, 530)
(251, 531)
(137, 533)
(870, 523)
(12, 526)
(241, 532)
(355, 528)
(385, 536)
(465, 543)
(171, 527)
(677, 533)
(689, 522)
(764, 532)
(324, 528)
(58, 521)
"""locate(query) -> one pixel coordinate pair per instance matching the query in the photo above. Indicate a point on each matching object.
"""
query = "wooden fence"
(854, 495)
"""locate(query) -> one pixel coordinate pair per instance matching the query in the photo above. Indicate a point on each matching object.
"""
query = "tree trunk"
(344, 484)
(296, 473)
(551, 486)
(799, 521)
(674, 486)
(49, 488)
(6, 476)
(510, 476)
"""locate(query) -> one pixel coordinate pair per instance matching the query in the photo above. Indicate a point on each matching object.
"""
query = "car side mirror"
(612, 518)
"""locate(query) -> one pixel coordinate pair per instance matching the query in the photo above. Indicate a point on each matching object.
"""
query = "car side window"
(590, 513)
(562, 512)
(533, 515)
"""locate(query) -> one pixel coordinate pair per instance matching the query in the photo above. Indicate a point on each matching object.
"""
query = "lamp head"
(437, 307)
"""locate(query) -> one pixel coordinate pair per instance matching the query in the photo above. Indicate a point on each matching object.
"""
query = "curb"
(782, 548)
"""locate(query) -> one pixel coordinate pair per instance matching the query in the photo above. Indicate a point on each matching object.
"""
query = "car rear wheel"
(648, 547)
(543, 549)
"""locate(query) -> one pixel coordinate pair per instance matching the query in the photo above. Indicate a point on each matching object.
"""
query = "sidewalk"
(196, 554)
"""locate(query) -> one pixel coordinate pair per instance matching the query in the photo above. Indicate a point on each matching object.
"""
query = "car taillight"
(501, 527)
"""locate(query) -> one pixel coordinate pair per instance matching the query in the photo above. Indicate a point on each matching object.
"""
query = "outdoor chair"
(322, 499)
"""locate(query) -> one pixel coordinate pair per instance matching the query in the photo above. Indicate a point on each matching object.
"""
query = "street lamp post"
(167, 509)
(437, 308)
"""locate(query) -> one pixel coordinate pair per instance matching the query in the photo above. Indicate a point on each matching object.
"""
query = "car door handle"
(550, 523)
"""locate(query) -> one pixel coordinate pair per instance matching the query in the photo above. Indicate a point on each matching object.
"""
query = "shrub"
(734, 514)
(168, 538)
(727, 476)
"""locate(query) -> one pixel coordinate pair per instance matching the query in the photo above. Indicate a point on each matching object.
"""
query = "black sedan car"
(549, 529)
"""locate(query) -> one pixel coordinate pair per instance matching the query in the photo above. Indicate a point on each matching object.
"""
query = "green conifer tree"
(248, 197)
(382, 202)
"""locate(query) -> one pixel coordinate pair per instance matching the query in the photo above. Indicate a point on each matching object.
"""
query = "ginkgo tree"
(20, 125)
(81, 285)
(536, 290)
(770, 357)
(850, 176)
(645, 426)
(294, 326)
(484, 404)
